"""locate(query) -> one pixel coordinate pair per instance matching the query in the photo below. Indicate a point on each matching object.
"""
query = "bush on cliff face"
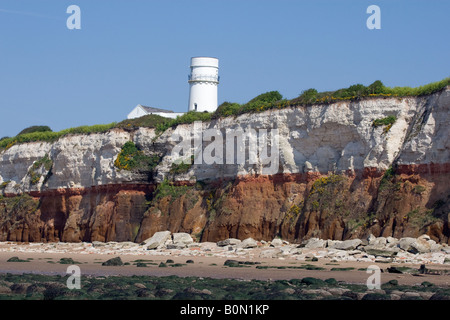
(42, 164)
(131, 158)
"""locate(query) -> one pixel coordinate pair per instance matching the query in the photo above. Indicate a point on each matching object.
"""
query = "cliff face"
(338, 176)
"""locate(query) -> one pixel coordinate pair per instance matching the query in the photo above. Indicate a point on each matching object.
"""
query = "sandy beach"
(203, 266)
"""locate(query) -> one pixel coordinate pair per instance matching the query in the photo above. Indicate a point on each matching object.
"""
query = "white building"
(141, 110)
(203, 84)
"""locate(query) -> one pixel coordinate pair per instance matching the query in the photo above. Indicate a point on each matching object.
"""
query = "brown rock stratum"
(411, 201)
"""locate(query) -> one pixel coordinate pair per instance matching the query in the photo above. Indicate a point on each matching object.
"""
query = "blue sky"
(138, 51)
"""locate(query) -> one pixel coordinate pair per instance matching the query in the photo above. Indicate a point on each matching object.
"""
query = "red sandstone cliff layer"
(413, 201)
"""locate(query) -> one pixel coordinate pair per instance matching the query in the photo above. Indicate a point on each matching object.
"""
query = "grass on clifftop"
(265, 101)
(50, 136)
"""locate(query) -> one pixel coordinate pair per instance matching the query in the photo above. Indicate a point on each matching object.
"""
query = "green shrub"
(35, 129)
(262, 102)
(187, 118)
(376, 87)
(269, 97)
(4, 185)
(308, 96)
(131, 158)
(181, 166)
(166, 189)
(384, 121)
(49, 136)
(45, 162)
(227, 109)
(148, 121)
(419, 189)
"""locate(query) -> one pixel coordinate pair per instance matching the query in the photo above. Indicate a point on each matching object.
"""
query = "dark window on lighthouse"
(195, 106)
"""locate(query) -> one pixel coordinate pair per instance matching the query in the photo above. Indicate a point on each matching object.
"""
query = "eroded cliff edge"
(339, 177)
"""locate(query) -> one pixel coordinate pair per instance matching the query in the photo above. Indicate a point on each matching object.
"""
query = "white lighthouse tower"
(203, 82)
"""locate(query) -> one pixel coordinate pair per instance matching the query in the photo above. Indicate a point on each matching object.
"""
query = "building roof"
(151, 109)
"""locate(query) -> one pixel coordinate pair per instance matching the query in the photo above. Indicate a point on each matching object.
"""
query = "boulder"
(276, 243)
(314, 243)
(5, 290)
(229, 242)
(331, 243)
(380, 241)
(380, 250)
(348, 244)
(392, 240)
(182, 238)
(421, 245)
(98, 244)
(249, 243)
(270, 253)
(158, 240)
(425, 237)
(113, 262)
(371, 238)
(405, 243)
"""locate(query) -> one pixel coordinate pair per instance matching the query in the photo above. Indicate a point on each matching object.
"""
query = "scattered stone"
(314, 243)
(5, 290)
(392, 240)
(289, 291)
(140, 285)
(231, 263)
(98, 244)
(410, 294)
(229, 242)
(331, 243)
(407, 270)
(313, 281)
(113, 262)
(182, 238)
(141, 265)
(348, 244)
(16, 259)
(371, 238)
(439, 296)
(249, 243)
(380, 250)
(68, 261)
(19, 288)
(270, 253)
(405, 243)
(376, 296)
(158, 240)
(420, 245)
(276, 243)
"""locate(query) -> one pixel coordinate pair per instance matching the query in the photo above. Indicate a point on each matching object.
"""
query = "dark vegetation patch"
(51, 287)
